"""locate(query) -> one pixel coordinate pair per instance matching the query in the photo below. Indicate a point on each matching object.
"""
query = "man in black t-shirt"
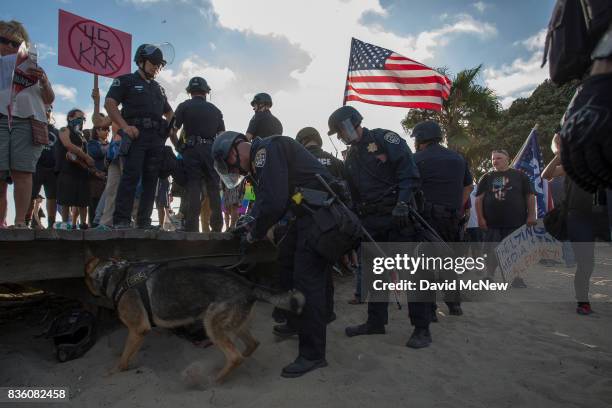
(505, 200)
(263, 123)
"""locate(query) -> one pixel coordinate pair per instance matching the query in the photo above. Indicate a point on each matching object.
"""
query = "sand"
(498, 354)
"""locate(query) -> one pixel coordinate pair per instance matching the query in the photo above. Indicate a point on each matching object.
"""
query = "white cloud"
(480, 6)
(522, 76)
(65, 93)
(45, 51)
(326, 37)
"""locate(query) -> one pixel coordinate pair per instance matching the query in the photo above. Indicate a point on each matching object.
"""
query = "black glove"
(401, 214)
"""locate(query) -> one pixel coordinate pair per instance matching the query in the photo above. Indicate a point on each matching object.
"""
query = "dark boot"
(279, 315)
(454, 309)
(365, 328)
(331, 317)
(301, 366)
(421, 337)
(284, 331)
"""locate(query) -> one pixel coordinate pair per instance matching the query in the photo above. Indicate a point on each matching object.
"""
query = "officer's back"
(263, 123)
(199, 118)
(310, 138)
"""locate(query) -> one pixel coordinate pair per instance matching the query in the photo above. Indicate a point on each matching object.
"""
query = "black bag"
(574, 29)
(555, 222)
(334, 232)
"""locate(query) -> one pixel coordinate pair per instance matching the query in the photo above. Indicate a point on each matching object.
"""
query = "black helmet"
(262, 99)
(426, 131)
(151, 53)
(340, 115)
(221, 148)
(197, 84)
(309, 134)
(73, 333)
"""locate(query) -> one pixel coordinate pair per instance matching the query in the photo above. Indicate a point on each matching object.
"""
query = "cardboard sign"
(92, 47)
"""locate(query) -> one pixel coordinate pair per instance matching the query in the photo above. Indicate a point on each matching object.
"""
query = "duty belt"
(438, 211)
(145, 123)
(383, 206)
(196, 140)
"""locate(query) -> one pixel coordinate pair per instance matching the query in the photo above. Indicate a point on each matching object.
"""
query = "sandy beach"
(498, 354)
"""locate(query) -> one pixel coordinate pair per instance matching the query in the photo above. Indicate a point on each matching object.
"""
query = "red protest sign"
(89, 46)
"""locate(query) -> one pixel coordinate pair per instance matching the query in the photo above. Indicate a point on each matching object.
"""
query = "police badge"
(372, 147)
(392, 137)
(260, 158)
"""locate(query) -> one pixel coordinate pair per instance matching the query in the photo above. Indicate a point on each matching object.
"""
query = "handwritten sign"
(89, 46)
(526, 246)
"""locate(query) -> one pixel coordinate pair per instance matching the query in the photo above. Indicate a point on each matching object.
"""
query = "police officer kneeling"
(143, 103)
(202, 121)
(446, 183)
(383, 178)
(284, 174)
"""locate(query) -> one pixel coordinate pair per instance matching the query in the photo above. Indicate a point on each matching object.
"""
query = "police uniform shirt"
(444, 174)
(200, 118)
(264, 124)
(380, 164)
(138, 97)
(333, 165)
(279, 165)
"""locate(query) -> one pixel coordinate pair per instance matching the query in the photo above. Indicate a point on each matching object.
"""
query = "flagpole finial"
(535, 127)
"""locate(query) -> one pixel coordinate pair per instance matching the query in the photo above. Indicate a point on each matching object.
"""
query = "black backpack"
(574, 29)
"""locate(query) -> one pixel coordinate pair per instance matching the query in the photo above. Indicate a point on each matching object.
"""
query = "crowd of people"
(113, 177)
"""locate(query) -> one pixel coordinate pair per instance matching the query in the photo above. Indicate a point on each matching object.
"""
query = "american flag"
(380, 76)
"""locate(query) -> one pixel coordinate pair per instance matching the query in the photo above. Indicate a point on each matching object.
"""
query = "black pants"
(580, 234)
(309, 274)
(198, 162)
(142, 162)
(492, 237)
(382, 229)
(449, 231)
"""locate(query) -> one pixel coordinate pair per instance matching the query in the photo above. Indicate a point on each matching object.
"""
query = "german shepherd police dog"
(178, 296)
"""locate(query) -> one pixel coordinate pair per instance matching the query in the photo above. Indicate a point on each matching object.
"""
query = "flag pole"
(523, 147)
(348, 69)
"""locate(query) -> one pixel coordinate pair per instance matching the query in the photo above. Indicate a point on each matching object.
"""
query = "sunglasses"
(14, 44)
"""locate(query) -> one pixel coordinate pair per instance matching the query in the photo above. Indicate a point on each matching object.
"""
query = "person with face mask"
(73, 179)
(141, 120)
(383, 178)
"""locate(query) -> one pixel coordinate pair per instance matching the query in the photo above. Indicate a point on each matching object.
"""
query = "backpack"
(574, 29)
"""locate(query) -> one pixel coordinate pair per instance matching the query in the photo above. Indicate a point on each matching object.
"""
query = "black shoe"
(331, 317)
(420, 338)
(365, 328)
(434, 316)
(122, 226)
(284, 331)
(519, 283)
(301, 366)
(279, 315)
(454, 309)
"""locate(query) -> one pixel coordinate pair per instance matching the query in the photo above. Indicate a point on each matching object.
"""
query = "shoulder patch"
(392, 137)
(260, 158)
(116, 82)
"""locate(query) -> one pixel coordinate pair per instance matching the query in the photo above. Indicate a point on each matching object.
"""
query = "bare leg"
(3, 203)
(51, 210)
(22, 194)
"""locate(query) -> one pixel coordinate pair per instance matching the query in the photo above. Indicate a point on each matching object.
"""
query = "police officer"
(446, 183)
(278, 166)
(263, 123)
(310, 138)
(383, 178)
(143, 103)
(202, 122)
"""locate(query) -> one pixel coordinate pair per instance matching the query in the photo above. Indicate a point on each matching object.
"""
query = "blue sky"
(298, 50)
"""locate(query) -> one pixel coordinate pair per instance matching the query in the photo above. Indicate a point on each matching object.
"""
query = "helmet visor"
(347, 132)
(230, 179)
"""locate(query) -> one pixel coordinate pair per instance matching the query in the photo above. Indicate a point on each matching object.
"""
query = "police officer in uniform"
(446, 183)
(279, 165)
(263, 123)
(202, 122)
(143, 103)
(310, 138)
(383, 178)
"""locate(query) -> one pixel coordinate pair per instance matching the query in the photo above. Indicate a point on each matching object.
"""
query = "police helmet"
(197, 84)
(73, 333)
(309, 134)
(151, 53)
(427, 131)
(342, 114)
(221, 149)
(262, 99)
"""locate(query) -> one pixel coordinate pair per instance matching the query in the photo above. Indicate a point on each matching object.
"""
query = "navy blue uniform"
(280, 165)
(381, 171)
(444, 174)
(332, 164)
(202, 122)
(142, 105)
(264, 124)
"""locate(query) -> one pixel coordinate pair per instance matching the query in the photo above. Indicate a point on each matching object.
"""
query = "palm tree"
(468, 118)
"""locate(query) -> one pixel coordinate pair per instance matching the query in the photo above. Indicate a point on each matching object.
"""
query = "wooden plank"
(9, 234)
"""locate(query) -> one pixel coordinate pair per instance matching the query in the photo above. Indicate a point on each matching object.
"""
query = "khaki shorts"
(17, 152)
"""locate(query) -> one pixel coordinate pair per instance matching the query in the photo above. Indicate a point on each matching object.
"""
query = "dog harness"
(132, 276)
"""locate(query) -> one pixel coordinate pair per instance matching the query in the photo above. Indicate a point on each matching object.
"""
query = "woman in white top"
(18, 153)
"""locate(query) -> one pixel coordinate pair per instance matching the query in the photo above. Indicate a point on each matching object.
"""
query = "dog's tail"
(292, 300)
